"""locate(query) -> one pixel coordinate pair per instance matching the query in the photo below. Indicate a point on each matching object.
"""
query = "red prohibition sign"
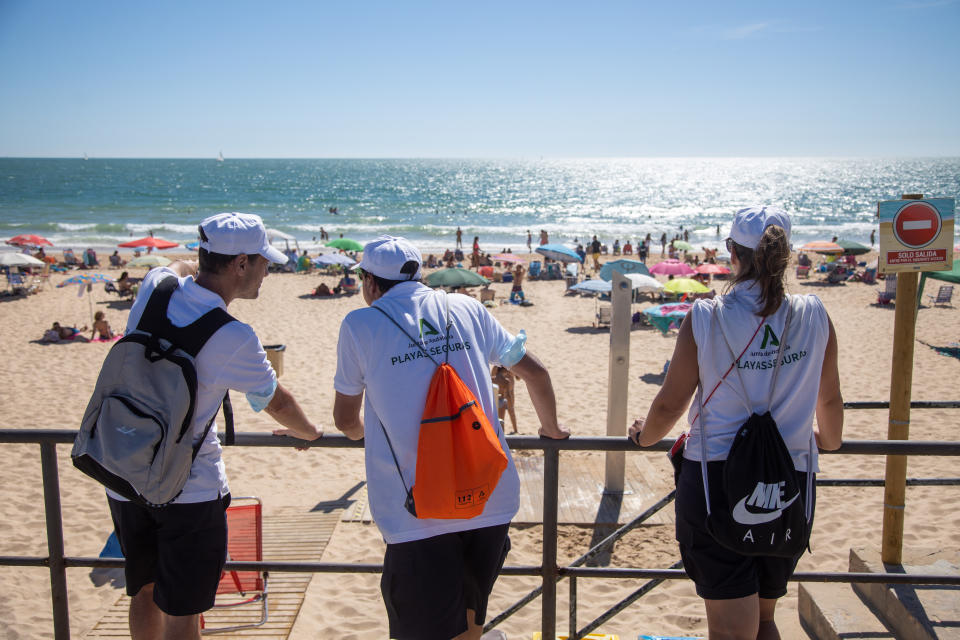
(916, 225)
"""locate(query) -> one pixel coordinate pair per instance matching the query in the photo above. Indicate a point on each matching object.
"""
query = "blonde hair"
(766, 264)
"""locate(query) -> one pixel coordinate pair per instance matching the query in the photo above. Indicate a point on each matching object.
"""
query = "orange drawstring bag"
(459, 456)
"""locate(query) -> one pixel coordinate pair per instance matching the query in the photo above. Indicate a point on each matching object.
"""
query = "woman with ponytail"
(728, 347)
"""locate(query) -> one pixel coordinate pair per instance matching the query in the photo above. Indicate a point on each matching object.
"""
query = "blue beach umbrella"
(593, 286)
(624, 267)
(85, 278)
(558, 252)
(334, 258)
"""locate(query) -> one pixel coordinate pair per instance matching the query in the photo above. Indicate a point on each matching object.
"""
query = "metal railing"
(549, 571)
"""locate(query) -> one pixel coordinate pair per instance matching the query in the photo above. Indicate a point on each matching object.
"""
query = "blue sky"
(482, 79)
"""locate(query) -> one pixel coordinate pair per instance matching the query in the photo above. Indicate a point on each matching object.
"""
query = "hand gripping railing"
(57, 562)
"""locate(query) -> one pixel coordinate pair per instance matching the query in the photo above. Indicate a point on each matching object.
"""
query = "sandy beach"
(46, 386)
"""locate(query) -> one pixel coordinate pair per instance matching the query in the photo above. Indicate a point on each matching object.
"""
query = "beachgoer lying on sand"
(58, 333)
(322, 290)
(101, 328)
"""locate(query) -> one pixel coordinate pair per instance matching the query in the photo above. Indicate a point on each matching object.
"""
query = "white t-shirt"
(231, 359)
(798, 383)
(375, 357)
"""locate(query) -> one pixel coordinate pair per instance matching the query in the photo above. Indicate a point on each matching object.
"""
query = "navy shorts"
(429, 584)
(181, 548)
(721, 574)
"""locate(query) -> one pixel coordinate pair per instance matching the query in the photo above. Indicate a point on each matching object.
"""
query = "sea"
(99, 203)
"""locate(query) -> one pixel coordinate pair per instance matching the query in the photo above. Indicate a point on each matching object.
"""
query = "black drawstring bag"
(764, 512)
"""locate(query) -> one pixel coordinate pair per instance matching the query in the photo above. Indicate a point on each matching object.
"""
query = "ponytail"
(767, 265)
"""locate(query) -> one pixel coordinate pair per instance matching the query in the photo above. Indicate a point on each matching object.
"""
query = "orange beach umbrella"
(822, 246)
(150, 241)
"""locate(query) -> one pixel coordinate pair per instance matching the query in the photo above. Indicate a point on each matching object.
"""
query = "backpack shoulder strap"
(154, 319)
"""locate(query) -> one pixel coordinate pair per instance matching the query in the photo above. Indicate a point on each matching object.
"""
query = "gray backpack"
(136, 437)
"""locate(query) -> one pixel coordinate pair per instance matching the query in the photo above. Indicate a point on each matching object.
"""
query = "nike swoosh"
(741, 515)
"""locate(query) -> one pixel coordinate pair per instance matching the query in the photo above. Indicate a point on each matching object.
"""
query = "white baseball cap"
(386, 256)
(749, 224)
(231, 234)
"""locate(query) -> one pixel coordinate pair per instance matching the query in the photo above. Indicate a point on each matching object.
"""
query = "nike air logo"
(127, 431)
(743, 516)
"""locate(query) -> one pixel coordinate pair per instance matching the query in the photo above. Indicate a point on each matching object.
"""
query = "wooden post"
(617, 383)
(898, 427)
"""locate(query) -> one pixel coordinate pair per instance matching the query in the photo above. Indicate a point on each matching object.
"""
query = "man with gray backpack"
(149, 433)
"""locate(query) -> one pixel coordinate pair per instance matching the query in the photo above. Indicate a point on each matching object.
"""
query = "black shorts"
(429, 584)
(721, 574)
(181, 548)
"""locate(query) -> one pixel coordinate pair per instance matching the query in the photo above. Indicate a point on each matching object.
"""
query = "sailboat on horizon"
(220, 157)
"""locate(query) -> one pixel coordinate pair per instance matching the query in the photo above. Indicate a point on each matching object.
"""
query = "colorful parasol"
(150, 241)
(29, 240)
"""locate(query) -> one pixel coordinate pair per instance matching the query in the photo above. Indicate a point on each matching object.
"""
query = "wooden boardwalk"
(581, 500)
(288, 535)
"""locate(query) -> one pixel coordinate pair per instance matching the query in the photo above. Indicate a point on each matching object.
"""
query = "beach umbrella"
(346, 244)
(641, 282)
(712, 269)
(623, 266)
(455, 277)
(334, 258)
(851, 248)
(558, 252)
(593, 286)
(509, 257)
(685, 285)
(151, 261)
(663, 316)
(822, 246)
(85, 280)
(150, 241)
(682, 245)
(29, 240)
(14, 259)
(672, 268)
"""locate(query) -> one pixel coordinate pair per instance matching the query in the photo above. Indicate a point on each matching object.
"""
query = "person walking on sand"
(516, 292)
(873, 236)
(437, 573)
(544, 237)
(663, 244)
(175, 554)
(459, 238)
(740, 592)
(475, 256)
(529, 241)
(595, 252)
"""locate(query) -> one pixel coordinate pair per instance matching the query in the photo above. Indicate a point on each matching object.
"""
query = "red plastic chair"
(244, 544)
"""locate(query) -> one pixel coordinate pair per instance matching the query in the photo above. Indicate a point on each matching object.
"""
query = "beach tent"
(273, 234)
(948, 276)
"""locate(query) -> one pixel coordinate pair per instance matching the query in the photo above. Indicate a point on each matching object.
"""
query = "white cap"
(231, 234)
(385, 257)
(749, 224)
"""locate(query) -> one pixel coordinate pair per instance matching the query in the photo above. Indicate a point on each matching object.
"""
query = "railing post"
(551, 471)
(572, 626)
(54, 522)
